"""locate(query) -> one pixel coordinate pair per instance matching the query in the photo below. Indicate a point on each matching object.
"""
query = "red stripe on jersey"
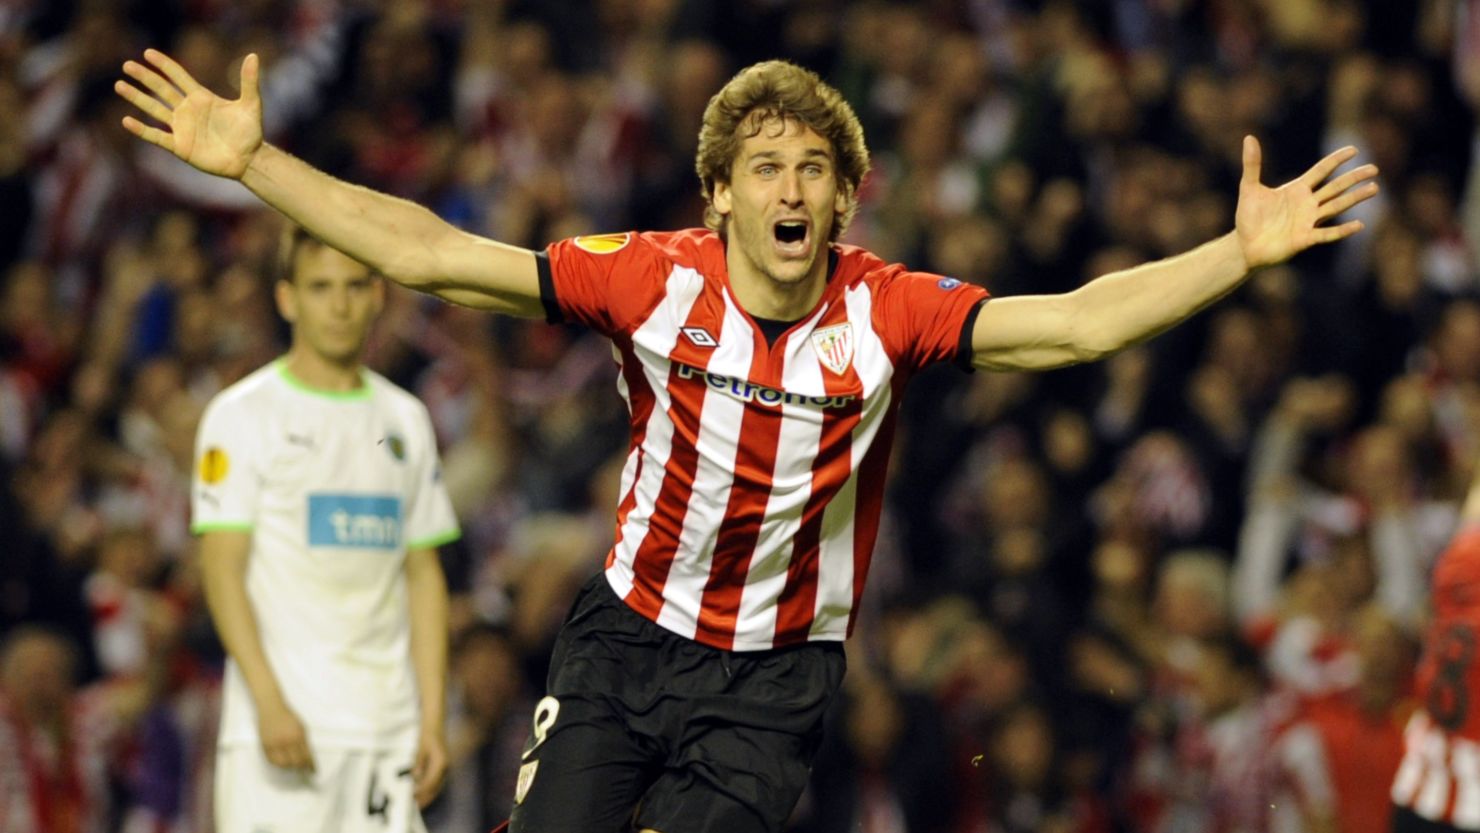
(831, 469)
(640, 404)
(754, 470)
(871, 475)
(654, 556)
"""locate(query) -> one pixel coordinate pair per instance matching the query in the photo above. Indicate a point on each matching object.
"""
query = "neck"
(765, 297)
(321, 373)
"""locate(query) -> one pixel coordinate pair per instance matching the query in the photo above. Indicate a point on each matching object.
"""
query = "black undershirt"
(772, 329)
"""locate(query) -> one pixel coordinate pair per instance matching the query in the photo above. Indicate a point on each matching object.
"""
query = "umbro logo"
(699, 336)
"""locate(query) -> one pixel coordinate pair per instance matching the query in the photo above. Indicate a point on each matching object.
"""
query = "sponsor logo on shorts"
(357, 521)
(526, 778)
(214, 464)
(603, 244)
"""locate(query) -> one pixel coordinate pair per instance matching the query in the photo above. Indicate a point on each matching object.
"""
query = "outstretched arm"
(1035, 332)
(400, 239)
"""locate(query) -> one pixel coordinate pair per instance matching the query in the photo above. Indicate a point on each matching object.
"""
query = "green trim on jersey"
(221, 526)
(359, 393)
(435, 540)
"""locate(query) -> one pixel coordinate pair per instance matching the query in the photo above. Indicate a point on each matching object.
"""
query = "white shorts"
(350, 791)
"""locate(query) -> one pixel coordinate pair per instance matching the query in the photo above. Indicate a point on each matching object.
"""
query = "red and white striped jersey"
(751, 494)
(1439, 778)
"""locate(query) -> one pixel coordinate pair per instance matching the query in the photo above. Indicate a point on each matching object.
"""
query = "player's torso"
(326, 574)
(754, 408)
(741, 451)
(328, 544)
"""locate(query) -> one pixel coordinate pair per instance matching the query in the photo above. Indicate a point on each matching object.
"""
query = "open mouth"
(791, 236)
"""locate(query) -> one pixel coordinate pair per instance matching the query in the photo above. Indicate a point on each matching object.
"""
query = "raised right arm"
(398, 238)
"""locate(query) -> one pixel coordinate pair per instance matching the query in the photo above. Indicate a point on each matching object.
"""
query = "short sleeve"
(430, 521)
(925, 318)
(604, 281)
(226, 481)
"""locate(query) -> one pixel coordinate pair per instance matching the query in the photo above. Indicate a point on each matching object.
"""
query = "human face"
(780, 203)
(331, 302)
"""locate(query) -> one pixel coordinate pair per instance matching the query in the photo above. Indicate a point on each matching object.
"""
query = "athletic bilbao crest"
(834, 346)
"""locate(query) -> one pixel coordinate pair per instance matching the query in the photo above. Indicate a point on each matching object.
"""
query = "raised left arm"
(1106, 315)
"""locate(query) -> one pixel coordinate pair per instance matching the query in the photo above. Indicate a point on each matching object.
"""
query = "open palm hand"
(1274, 224)
(216, 135)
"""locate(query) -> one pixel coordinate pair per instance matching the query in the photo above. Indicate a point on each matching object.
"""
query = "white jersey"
(335, 489)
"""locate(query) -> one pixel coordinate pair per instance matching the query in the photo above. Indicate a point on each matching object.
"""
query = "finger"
(307, 759)
(1324, 168)
(1253, 160)
(152, 135)
(174, 71)
(1345, 181)
(251, 80)
(1347, 200)
(148, 103)
(155, 82)
(1331, 234)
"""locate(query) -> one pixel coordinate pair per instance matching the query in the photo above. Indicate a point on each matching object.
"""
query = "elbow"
(411, 272)
(417, 262)
(1093, 351)
(1091, 337)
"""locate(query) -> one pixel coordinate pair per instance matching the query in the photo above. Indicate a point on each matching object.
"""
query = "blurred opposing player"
(319, 508)
(1437, 787)
(762, 364)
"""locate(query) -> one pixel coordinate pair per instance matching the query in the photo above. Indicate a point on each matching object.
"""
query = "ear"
(287, 301)
(723, 200)
(841, 200)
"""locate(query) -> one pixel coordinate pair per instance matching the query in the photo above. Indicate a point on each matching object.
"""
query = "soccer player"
(1437, 787)
(761, 363)
(320, 510)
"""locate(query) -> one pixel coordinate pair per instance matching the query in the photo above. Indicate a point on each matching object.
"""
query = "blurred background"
(1179, 590)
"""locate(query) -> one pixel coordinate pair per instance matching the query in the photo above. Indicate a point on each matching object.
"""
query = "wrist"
(1233, 246)
(256, 164)
(267, 697)
(434, 728)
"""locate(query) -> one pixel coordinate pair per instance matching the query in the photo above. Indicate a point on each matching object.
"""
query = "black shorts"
(1407, 821)
(641, 724)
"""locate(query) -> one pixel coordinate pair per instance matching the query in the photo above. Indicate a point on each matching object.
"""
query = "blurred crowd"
(1180, 590)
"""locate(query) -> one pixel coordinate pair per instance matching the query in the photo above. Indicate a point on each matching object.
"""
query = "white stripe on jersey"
(791, 488)
(1433, 796)
(651, 344)
(1465, 762)
(1410, 771)
(1439, 778)
(836, 581)
(714, 474)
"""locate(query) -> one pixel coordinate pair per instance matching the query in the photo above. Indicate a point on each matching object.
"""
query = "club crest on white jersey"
(834, 346)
